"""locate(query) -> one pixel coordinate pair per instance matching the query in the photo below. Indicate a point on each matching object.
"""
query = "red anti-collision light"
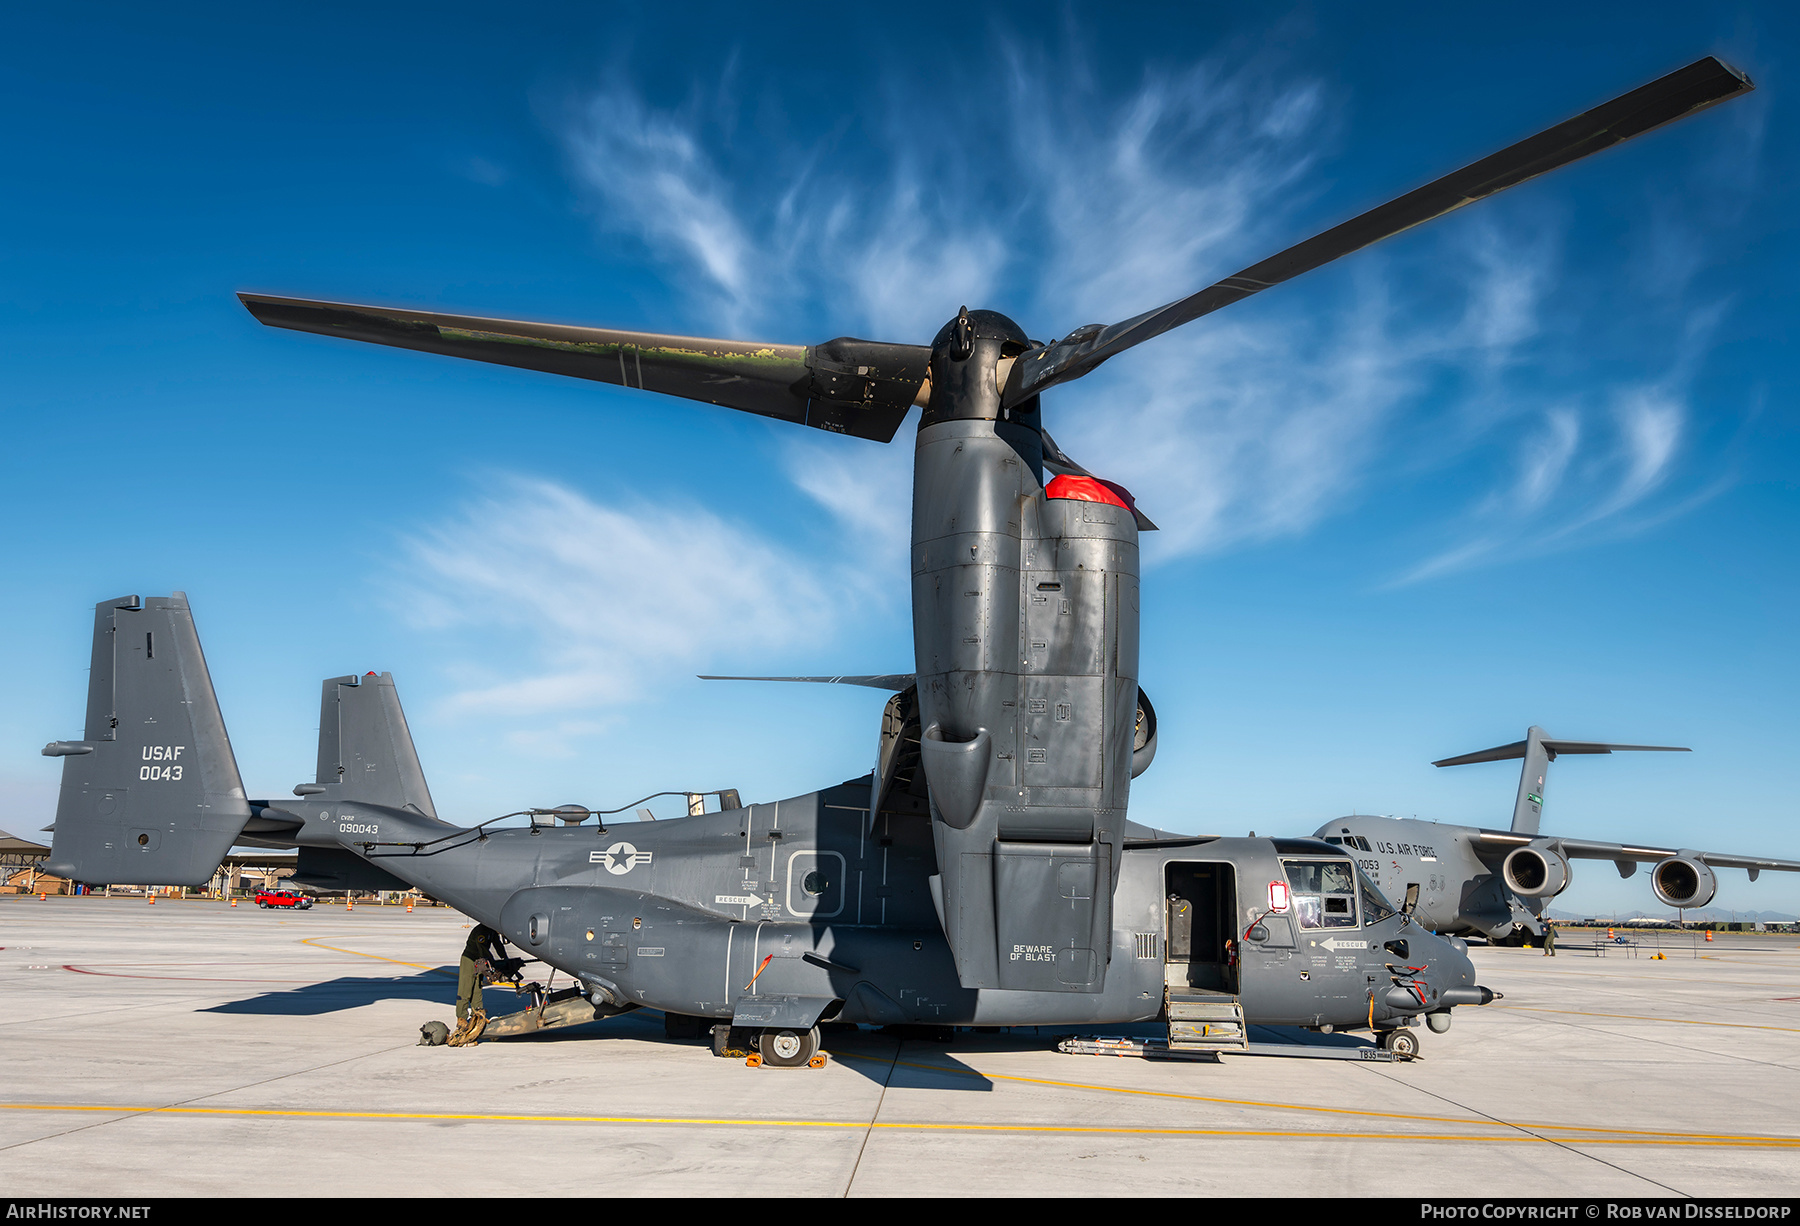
(1091, 489)
(1278, 897)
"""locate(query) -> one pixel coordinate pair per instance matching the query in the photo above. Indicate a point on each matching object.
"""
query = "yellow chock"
(1658, 957)
(817, 1061)
(753, 1060)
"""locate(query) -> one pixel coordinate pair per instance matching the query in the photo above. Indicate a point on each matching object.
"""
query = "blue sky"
(1533, 463)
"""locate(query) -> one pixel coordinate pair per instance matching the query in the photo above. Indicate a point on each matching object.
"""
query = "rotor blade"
(846, 386)
(1683, 92)
(881, 681)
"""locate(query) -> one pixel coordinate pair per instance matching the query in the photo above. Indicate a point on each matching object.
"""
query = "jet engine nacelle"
(1683, 880)
(1536, 871)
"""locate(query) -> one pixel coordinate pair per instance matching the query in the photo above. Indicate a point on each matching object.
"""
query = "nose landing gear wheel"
(788, 1048)
(1403, 1043)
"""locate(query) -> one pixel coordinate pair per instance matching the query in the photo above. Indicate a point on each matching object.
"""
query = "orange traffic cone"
(234, 902)
(409, 906)
(1709, 934)
(1609, 934)
(348, 905)
(153, 899)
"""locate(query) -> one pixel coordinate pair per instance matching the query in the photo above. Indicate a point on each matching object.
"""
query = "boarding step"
(1160, 1049)
(1205, 1021)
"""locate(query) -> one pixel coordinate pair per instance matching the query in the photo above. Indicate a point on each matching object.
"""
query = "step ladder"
(1204, 1021)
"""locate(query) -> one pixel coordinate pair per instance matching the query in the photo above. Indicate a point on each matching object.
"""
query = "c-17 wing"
(1502, 841)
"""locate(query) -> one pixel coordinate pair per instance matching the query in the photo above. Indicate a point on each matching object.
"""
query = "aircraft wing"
(1502, 841)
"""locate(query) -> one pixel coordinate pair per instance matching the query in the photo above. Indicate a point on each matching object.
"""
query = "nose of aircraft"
(1451, 974)
(1441, 976)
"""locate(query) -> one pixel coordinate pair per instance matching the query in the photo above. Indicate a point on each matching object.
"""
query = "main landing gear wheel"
(1403, 1043)
(788, 1048)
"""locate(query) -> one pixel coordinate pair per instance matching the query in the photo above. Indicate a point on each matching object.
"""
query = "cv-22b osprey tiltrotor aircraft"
(986, 871)
(1471, 881)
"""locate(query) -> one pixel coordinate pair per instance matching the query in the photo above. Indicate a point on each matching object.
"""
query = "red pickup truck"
(283, 898)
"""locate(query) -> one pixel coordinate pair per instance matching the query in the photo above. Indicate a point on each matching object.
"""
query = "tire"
(1403, 1043)
(788, 1048)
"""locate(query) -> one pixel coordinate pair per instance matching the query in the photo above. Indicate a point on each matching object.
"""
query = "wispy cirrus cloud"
(606, 595)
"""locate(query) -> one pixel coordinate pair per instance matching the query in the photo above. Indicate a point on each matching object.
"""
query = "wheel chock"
(817, 1061)
(753, 1060)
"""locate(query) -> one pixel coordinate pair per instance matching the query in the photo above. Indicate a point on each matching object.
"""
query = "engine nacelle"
(1683, 880)
(1536, 871)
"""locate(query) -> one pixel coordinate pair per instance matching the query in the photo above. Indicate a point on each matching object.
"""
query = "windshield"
(1376, 907)
(1324, 892)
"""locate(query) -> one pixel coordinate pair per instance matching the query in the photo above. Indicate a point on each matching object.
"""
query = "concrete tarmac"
(192, 1049)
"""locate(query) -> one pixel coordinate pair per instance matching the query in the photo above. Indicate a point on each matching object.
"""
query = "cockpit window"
(1376, 907)
(1324, 892)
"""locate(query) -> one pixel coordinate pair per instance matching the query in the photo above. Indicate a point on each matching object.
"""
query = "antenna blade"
(1701, 84)
(880, 681)
(845, 386)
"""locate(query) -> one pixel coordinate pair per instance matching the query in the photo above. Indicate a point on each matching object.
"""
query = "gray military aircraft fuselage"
(1475, 881)
(785, 914)
(772, 917)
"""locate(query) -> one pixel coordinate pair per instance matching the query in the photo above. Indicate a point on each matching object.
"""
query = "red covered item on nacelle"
(1091, 489)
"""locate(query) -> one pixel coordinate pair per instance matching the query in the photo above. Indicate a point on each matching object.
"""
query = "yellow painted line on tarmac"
(1726, 1137)
(1634, 1017)
(895, 1126)
(316, 943)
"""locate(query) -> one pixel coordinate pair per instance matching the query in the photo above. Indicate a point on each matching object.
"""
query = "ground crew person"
(1549, 939)
(479, 954)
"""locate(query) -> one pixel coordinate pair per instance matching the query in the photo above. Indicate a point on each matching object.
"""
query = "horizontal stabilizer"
(152, 795)
(1538, 752)
(1504, 753)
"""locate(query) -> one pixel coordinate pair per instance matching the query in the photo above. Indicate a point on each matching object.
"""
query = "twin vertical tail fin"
(152, 795)
(366, 753)
(366, 757)
(1539, 751)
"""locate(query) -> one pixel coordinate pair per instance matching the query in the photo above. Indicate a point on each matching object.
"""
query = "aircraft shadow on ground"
(353, 992)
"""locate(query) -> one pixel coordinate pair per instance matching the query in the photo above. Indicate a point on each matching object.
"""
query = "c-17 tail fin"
(152, 795)
(1539, 751)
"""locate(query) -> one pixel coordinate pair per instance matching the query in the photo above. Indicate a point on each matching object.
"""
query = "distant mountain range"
(1705, 915)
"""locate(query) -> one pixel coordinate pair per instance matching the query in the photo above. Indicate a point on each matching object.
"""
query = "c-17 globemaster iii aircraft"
(987, 871)
(1471, 881)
